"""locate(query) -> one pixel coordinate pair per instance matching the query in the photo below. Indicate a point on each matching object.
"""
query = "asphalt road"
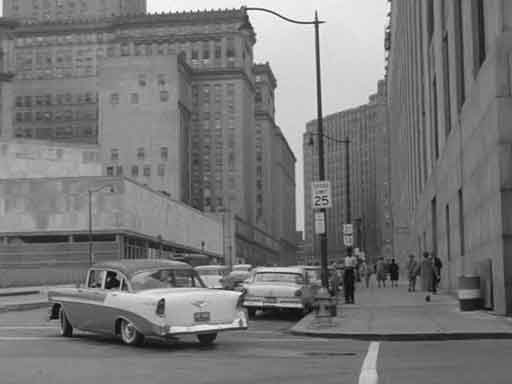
(31, 351)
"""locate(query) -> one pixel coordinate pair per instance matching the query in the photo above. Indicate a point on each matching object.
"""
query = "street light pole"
(321, 167)
(347, 178)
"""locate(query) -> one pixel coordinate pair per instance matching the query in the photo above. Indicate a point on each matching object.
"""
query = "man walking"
(349, 277)
(427, 274)
(412, 271)
(381, 273)
(436, 279)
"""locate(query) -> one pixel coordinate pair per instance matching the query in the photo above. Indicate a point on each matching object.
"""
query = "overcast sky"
(352, 51)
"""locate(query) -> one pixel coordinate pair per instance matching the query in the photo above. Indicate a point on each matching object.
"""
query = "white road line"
(284, 340)
(369, 370)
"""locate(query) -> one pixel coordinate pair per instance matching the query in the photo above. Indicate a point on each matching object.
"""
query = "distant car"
(212, 275)
(242, 267)
(285, 288)
(134, 299)
(235, 280)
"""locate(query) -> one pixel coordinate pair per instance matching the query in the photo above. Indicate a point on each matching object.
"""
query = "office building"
(362, 126)
(449, 103)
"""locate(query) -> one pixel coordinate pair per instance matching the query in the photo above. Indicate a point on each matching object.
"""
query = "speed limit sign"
(321, 194)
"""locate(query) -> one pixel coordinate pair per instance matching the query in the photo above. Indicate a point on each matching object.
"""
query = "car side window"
(124, 286)
(95, 279)
(113, 281)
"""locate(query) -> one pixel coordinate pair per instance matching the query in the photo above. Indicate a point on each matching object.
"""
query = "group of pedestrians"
(383, 269)
(429, 270)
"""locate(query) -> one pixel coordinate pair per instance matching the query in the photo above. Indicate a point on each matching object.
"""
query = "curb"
(23, 306)
(444, 336)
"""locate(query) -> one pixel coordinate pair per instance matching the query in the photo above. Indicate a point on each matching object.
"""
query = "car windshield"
(166, 278)
(279, 277)
(210, 272)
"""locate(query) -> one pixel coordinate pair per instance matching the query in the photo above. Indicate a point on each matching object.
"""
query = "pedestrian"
(412, 272)
(381, 272)
(366, 273)
(427, 274)
(438, 264)
(393, 273)
(349, 277)
(335, 282)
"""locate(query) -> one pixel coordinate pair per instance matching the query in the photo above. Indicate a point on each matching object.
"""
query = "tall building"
(362, 126)
(170, 98)
(449, 110)
(51, 10)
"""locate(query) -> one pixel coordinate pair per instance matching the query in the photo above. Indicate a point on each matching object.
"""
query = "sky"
(352, 55)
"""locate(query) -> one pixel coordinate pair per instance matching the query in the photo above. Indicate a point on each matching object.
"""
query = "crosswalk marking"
(369, 370)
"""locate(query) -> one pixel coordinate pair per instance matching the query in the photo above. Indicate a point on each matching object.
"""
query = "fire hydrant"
(325, 305)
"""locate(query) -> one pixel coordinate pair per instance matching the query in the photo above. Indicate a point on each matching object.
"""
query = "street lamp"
(346, 141)
(90, 192)
(321, 167)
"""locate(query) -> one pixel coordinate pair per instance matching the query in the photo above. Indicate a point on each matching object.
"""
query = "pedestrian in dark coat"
(393, 273)
(427, 274)
(381, 273)
(436, 279)
(413, 269)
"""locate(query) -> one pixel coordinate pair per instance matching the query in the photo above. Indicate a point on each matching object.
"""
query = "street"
(31, 351)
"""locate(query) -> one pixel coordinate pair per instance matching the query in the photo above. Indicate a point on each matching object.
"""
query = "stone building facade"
(362, 126)
(449, 104)
(59, 74)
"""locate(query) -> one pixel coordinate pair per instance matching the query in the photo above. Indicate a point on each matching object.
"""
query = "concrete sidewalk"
(25, 298)
(395, 314)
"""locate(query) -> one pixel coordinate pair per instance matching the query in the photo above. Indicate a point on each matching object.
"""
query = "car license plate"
(201, 316)
(270, 300)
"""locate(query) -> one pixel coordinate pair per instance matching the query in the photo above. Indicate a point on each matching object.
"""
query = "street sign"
(348, 229)
(348, 240)
(321, 194)
(319, 223)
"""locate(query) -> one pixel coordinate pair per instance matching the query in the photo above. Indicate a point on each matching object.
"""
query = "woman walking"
(381, 272)
(365, 273)
(427, 274)
(393, 273)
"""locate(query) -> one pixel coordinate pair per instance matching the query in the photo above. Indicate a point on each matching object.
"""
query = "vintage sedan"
(284, 288)
(134, 299)
(212, 275)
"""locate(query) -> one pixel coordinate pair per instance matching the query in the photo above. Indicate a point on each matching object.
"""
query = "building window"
(134, 98)
(147, 171)
(142, 80)
(435, 118)
(430, 19)
(446, 81)
(218, 51)
(110, 171)
(119, 170)
(164, 96)
(164, 153)
(28, 101)
(459, 41)
(114, 154)
(448, 237)
(479, 33)
(19, 101)
(19, 116)
(140, 153)
(114, 98)
(135, 171)
(461, 222)
(161, 170)
(230, 48)
(162, 81)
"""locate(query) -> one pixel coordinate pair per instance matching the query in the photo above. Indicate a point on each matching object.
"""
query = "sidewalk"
(395, 314)
(24, 298)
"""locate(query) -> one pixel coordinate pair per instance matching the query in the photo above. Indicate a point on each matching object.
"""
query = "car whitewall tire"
(207, 338)
(129, 334)
(66, 329)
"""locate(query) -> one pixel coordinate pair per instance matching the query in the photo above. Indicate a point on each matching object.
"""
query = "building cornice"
(214, 74)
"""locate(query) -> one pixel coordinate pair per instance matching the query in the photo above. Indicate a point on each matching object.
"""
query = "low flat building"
(44, 227)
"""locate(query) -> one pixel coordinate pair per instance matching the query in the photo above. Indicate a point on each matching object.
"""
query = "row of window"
(56, 99)
(117, 170)
(141, 154)
(67, 115)
(134, 97)
(58, 132)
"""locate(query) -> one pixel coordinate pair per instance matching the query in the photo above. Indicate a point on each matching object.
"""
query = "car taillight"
(298, 293)
(160, 308)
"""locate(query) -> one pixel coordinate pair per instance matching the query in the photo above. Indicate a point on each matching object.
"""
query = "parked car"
(285, 288)
(212, 275)
(134, 299)
(235, 280)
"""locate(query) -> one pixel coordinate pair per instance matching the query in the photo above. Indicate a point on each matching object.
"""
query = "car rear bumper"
(260, 304)
(239, 324)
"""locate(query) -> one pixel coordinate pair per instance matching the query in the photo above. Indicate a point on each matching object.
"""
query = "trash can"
(470, 297)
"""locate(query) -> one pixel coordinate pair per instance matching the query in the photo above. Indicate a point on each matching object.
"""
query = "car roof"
(210, 267)
(299, 270)
(131, 267)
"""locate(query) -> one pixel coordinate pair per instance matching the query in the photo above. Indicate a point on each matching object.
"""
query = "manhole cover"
(330, 354)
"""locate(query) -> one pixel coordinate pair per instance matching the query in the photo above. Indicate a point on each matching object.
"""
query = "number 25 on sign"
(321, 194)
